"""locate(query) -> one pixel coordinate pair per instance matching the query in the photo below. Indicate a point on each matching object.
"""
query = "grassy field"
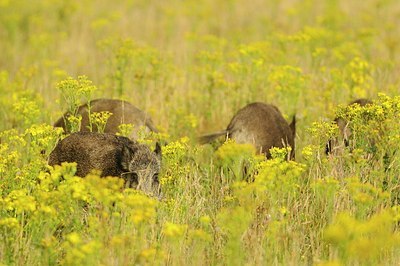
(192, 65)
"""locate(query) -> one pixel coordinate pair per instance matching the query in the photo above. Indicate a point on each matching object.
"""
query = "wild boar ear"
(293, 126)
(157, 150)
(126, 156)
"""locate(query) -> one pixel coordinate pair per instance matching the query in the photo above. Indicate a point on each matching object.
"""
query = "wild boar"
(122, 113)
(344, 129)
(259, 124)
(113, 156)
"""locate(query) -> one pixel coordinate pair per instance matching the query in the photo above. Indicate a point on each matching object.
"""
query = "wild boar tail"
(210, 137)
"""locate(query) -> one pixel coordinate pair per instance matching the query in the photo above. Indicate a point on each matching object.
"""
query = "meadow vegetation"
(191, 65)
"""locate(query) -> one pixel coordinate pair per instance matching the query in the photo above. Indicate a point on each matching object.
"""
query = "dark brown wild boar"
(259, 124)
(113, 156)
(344, 130)
(122, 113)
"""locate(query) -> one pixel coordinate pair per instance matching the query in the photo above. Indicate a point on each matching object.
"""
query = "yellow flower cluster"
(172, 230)
(363, 240)
(100, 120)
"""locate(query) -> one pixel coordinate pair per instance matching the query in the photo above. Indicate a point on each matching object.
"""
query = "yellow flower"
(200, 235)
(20, 201)
(205, 220)
(283, 210)
(308, 151)
(148, 253)
(48, 242)
(74, 238)
(11, 223)
(172, 230)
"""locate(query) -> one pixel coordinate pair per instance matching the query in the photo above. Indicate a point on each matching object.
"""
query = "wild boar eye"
(131, 180)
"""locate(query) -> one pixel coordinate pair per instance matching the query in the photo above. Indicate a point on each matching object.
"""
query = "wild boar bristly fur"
(113, 156)
(123, 112)
(259, 124)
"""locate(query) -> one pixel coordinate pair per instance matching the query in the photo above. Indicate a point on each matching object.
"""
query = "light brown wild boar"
(113, 156)
(259, 124)
(344, 129)
(123, 112)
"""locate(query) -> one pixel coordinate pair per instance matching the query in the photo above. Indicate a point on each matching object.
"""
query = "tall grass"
(192, 65)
